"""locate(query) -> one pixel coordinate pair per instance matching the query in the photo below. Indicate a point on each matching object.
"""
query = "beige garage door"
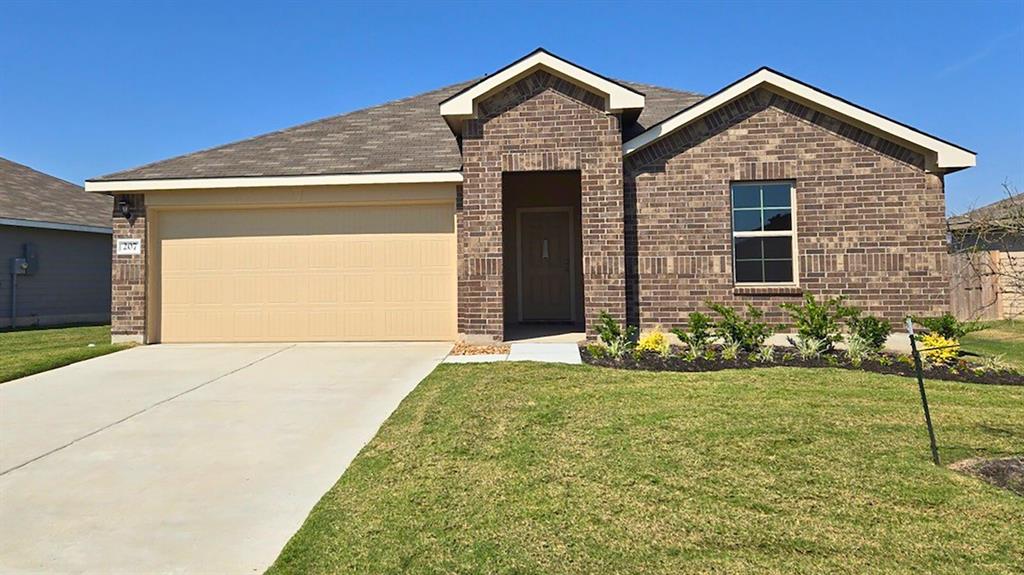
(366, 273)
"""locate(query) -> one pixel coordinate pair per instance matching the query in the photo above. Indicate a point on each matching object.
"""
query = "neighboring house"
(57, 238)
(987, 247)
(540, 193)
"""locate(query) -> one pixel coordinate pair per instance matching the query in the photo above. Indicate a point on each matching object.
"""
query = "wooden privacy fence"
(974, 295)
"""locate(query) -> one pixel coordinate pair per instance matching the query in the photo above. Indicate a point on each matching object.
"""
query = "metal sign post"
(920, 387)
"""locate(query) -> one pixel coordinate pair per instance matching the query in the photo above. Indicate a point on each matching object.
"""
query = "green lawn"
(526, 468)
(27, 351)
(1005, 338)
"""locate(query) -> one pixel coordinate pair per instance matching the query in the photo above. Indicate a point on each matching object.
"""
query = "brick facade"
(128, 274)
(870, 220)
(656, 227)
(539, 123)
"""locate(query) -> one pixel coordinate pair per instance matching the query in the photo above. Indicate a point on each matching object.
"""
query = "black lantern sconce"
(125, 209)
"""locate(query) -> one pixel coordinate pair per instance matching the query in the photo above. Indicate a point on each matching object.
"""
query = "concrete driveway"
(186, 459)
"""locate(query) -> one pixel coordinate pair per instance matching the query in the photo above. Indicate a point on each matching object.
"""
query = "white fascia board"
(54, 226)
(947, 156)
(273, 181)
(619, 97)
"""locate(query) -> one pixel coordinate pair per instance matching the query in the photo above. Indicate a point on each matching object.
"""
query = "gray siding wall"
(72, 284)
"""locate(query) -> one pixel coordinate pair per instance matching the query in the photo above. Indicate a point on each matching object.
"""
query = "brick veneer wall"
(870, 220)
(128, 274)
(539, 123)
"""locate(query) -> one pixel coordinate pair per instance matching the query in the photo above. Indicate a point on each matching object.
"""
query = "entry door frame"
(572, 256)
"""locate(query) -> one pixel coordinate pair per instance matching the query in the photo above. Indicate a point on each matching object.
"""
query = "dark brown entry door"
(545, 265)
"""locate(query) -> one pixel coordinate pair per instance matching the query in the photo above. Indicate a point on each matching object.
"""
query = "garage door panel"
(324, 274)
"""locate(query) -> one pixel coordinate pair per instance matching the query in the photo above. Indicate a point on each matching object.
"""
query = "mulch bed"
(1007, 473)
(466, 349)
(893, 365)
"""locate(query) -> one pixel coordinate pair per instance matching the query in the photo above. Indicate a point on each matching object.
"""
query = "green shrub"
(766, 354)
(870, 330)
(858, 349)
(808, 348)
(619, 341)
(749, 332)
(994, 363)
(948, 326)
(697, 336)
(597, 350)
(731, 350)
(819, 321)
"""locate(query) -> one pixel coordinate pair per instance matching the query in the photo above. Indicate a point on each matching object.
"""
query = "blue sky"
(87, 88)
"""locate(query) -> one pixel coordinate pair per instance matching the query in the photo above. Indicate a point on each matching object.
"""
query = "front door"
(545, 264)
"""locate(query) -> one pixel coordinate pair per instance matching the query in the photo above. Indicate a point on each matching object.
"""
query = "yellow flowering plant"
(655, 341)
(938, 349)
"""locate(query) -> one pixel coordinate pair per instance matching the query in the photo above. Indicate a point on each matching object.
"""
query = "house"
(987, 259)
(542, 193)
(54, 250)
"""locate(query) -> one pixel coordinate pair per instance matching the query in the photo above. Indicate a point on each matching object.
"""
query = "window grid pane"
(763, 243)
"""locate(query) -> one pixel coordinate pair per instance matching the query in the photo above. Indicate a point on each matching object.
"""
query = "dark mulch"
(786, 357)
(1007, 473)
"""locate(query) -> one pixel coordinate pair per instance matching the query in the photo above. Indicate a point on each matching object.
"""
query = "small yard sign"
(129, 247)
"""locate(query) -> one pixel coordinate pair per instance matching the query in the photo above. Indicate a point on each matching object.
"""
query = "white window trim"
(792, 233)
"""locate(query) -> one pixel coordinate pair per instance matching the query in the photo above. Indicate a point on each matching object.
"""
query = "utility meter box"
(19, 266)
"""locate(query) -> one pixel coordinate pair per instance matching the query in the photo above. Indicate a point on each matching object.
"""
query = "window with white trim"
(763, 238)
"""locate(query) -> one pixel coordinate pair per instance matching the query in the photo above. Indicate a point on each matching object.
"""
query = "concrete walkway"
(546, 352)
(186, 459)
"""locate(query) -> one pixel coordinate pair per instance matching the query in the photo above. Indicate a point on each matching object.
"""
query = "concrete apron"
(186, 459)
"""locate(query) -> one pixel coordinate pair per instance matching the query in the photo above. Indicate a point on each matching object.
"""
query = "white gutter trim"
(54, 226)
(273, 181)
(947, 156)
(619, 97)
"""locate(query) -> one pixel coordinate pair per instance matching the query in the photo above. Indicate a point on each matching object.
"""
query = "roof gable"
(618, 97)
(940, 154)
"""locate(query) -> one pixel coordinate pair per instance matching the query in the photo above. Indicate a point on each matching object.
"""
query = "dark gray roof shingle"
(659, 104)
(1008, 210)
(27, 194)
(407, 135)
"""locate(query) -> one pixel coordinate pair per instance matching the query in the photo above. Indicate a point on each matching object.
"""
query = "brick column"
(480, 243)
(128, 274)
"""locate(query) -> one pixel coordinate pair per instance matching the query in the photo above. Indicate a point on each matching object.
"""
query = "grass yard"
(27, 351)
(1005, 338)
(527, 468)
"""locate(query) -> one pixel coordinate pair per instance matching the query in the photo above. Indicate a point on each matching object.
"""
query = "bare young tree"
(988, 257)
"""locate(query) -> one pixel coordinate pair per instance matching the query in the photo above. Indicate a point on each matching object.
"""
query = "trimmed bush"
(872, 332)
(619, 341)
(698, 334)
(819, 320)
(948, 326)
(749, 332)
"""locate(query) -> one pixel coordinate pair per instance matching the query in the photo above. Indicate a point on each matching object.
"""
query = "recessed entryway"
(543, 279)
